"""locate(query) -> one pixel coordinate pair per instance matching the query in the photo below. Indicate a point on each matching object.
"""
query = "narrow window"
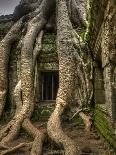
(49, 86)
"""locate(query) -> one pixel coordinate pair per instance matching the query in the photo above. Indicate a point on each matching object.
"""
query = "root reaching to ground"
(12, 129)
(5, 47)
(56, 132)
(25, 100)
(66, 80)
(38, 136)
(87, 121)
(36, 145)
(8, 133)
(13, 149)
(34, 132)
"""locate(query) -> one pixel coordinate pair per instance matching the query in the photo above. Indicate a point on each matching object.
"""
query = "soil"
(90, 143)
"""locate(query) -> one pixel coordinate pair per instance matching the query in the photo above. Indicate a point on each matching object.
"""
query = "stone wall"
(102, 41)
(104, 126)
(103, 30)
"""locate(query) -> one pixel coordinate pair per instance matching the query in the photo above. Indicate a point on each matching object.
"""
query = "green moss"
(48, 43)
(91, 19)
(95, 16)
(49, 48)
(104, 127)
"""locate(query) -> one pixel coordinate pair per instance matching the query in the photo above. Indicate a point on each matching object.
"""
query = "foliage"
(102, 124)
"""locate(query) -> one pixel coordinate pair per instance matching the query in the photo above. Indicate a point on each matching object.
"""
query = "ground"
(91, 143)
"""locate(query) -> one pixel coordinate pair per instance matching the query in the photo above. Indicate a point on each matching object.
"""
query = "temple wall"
(102, 41)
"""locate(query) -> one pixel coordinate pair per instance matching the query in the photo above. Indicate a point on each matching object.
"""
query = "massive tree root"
(5, 47)
(71, 66)
(66, 79)
(67, 67)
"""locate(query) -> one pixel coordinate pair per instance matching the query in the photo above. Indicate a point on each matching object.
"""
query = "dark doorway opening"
(49, 85)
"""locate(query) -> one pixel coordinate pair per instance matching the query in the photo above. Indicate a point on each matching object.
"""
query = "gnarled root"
(37, 135)
(8, 133)
(66, 79)
(5, 47)
(36, 145)
(87, 121)
(13, 149)
(55, 130)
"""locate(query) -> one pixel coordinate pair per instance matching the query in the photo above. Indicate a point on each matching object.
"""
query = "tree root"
(66, 77)
(87, 121)
(36, 145)
(25, 99)
(13, 149)
(37, 135)
(5, 47)
(8, 133)
(2, 146)
(55, 130)
(24, 110)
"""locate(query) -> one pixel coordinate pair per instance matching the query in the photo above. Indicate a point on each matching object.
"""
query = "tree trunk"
(5, 47)
(66, 79)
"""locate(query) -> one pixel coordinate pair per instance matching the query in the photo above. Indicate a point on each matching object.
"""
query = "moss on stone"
(91, 18)
(104, 127)
(95, 18)
(49, 48)
(48, 43)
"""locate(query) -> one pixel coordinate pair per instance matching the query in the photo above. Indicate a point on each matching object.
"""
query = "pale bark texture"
(5, 47)
(67, 68)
